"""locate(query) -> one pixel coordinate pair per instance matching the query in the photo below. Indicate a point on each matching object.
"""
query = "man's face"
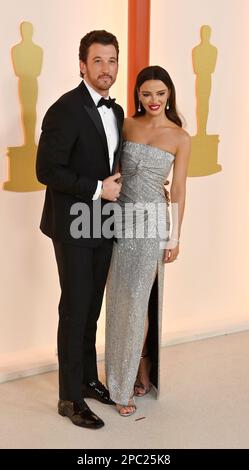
(101, 67)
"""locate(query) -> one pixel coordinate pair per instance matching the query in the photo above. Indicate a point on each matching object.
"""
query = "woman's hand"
(170, 254)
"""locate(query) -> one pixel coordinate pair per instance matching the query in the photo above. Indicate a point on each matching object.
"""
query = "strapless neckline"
(149, 146)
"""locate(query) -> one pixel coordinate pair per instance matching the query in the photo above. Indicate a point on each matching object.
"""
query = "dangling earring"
(167, 105)
(139, 106)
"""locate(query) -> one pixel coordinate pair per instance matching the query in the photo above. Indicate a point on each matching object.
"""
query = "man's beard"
(104, 85)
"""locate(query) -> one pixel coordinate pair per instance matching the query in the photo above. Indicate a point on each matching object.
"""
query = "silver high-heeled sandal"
(127, 410)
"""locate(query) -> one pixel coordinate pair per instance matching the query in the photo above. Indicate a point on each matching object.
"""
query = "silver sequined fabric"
(136, 262)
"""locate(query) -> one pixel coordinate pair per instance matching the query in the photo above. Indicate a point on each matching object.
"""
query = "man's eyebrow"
(98, 57)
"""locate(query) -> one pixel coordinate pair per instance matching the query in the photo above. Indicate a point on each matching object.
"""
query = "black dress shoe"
(80, 414)
(95, 389)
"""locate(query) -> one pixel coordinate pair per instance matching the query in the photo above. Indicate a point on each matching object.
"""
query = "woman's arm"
(177, 195)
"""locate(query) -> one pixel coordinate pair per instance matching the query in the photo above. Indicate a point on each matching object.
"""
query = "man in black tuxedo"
(77, 155)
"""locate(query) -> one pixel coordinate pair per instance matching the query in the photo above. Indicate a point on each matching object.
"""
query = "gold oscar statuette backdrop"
(204, 153)
(27, 62)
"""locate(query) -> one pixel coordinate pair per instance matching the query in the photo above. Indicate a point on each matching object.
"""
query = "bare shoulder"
(185, 135)
(129, 121)
(179, 138)
(184, 139)
(182, 134)
(129, 124)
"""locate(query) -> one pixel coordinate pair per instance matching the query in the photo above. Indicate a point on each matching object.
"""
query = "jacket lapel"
(94, 115)
(119, 118)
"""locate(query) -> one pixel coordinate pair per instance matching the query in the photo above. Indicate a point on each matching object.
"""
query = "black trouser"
(82, 272)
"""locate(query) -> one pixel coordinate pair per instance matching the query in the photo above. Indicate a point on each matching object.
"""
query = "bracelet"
(175, 240)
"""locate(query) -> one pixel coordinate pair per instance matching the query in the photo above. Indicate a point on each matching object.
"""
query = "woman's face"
(153, 95)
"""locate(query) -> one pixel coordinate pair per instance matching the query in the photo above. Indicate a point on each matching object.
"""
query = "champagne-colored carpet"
(204, 403)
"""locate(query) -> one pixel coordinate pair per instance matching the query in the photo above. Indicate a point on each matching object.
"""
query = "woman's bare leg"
(142, 384)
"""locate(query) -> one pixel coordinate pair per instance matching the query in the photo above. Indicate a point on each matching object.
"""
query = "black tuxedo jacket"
(72, 156)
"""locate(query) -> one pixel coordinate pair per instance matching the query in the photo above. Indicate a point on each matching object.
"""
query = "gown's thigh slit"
(152, 335)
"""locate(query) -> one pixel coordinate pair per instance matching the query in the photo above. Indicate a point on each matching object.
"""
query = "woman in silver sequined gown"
(135, 283)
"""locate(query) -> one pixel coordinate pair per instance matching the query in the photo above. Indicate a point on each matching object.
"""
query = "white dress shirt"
(111, 130)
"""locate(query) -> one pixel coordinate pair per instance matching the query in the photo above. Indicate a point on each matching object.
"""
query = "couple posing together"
(88, 153)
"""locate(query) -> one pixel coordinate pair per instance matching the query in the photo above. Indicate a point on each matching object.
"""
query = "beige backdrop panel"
(28, 276)
(207, 288)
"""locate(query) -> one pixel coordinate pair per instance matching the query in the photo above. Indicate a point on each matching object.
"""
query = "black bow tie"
(103, 102)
